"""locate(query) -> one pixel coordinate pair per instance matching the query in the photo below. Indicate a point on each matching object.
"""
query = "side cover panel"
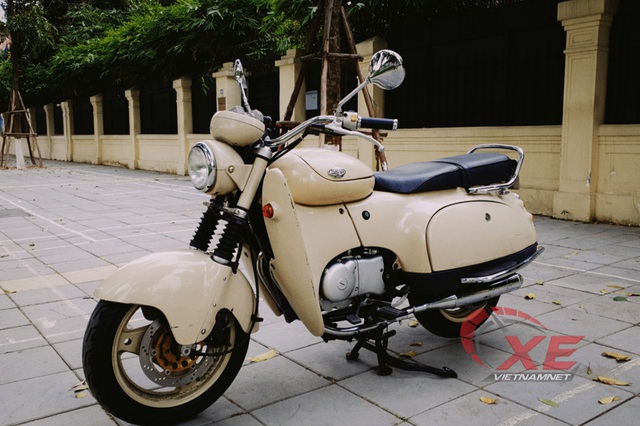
(440, 230)
(478, 231)
(187, 287)
(304, 239)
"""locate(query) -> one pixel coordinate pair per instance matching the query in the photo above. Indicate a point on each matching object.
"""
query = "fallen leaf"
(265, 356)
(556, 302)
(608, 400)
(617, 356)
(416, 344)
(9, 291)
(487, 400)
(540, 282)
(81, 395)
(413, 323)
(409, 354)
(611, 381)
(633, 294)
(589, 370)
(615, 286)
(82, 384)
(604, 291)
(530, 296)
(549, 402)
(619, 299)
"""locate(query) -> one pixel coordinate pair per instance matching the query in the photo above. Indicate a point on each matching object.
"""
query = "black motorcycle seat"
(460, 171)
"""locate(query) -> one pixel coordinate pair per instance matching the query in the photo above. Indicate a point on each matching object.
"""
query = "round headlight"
(202, 167)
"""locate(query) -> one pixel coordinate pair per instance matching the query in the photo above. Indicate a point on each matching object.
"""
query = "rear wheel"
(447, 322)
(137, 372)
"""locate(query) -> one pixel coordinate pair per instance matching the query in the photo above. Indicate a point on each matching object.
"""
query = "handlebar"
(378, 123)
(342, 127)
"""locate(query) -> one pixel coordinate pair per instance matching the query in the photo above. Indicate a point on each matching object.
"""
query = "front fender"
(187, 287)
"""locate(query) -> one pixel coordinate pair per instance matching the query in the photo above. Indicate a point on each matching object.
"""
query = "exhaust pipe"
(506, 285)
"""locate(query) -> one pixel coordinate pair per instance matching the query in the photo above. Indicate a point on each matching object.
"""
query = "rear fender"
(187, 287)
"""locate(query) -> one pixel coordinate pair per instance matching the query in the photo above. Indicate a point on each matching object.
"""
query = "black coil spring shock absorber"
(231, 237)
(204, 232)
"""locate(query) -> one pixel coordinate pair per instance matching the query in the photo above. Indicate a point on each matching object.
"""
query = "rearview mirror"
(386, 70)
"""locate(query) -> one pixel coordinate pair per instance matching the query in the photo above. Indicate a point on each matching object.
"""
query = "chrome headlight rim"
(209, 164)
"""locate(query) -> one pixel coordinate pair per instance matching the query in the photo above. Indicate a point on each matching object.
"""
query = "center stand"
(377, 341)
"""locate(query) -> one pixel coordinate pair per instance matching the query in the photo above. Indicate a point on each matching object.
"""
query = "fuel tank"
(321, 177)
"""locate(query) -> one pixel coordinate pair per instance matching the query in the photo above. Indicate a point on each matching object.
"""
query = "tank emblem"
(336, 173)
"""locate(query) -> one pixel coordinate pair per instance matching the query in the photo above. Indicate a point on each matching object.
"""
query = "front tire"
(135, 369)
(448, 322)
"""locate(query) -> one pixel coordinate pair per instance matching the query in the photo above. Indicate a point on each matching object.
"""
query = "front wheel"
(447, 322)
(137, 372)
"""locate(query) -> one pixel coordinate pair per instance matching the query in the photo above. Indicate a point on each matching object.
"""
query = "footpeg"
(390, 313)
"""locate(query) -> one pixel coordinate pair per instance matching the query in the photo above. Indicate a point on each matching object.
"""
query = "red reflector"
(267, 211)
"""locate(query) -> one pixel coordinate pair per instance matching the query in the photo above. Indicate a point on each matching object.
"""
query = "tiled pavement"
(67, 226)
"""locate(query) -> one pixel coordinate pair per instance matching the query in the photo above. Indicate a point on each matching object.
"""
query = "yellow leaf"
(81, 395)
(615, 286)
(530, 296)
(611, 381)
(413, 323)
(633, 294)
(9, 291)
(556, 302)
(265, 356)
(488, 400)
(608, 400)
(604, 291)
(409, 354)
(617, 356)
(416, 344)
(589, 370)
(540, 282)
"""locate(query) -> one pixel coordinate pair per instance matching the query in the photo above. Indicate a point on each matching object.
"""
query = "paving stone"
(578, 323)
(626, 340)
(19, 338)
(626, 413)
(469, 409)
(93, 415)
(242, 420)
(270, 381)
(11, 318)
(590, 283)
(222, 409)
(31, 283)
(329, 360)
(405, 393)
(577, 399)
(459, 360)
(45, 295)
(71, 352)
(606, 306)
(5, 302)
(30, 363)
(326, 406)
(40, 397)
(285, 337)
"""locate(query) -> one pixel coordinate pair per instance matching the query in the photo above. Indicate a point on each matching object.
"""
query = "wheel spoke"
(130, 340)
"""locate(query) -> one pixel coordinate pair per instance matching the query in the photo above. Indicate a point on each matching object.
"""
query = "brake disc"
(165, 366)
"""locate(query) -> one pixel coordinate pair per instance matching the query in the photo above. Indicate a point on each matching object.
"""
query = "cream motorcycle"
(323, 240)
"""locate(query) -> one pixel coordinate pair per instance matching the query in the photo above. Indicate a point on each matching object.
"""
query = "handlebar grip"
(378, 123)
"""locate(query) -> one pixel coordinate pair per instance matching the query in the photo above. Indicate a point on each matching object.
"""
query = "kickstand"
(386, 361)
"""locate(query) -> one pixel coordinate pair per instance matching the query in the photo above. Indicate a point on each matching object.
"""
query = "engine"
(350, 276)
